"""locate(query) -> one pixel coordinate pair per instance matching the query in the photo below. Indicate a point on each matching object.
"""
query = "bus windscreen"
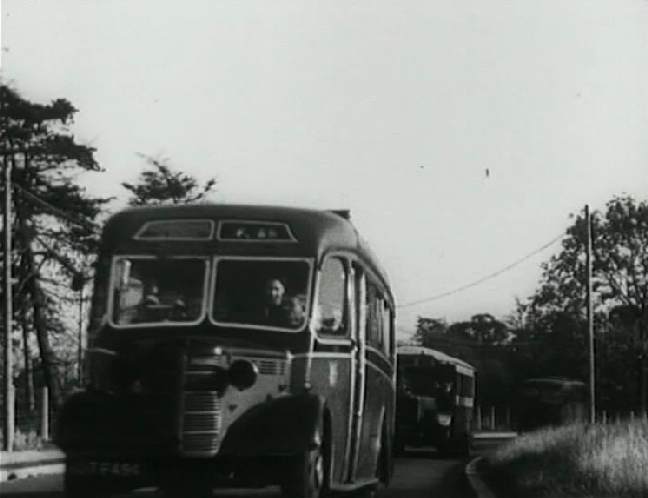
(154, 290)
(430, 381)
(261, 292)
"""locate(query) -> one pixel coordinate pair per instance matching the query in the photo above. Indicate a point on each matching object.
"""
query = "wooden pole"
(8, 425)
(590, 321)
(80, 348)
(643, 361)
(44, 413)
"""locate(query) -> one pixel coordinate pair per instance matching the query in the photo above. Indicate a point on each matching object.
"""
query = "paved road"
(419, 474)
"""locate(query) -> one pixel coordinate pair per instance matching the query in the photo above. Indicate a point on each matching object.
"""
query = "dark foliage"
(54, 219)
(163, 185)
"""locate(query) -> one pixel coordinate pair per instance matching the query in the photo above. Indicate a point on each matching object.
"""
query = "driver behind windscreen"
(155, 308)
(274, 291)
(278, 308)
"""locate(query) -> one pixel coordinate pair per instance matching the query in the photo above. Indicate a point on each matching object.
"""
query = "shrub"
(577, 460)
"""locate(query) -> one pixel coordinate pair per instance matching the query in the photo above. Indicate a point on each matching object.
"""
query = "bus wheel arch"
(309, 472)
(83, 487)
(385, 457)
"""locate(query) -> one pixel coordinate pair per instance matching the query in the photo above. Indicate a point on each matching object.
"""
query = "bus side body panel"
(377, 413)
(330, 375)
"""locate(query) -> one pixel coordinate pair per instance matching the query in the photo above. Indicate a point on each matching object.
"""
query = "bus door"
(359, 369)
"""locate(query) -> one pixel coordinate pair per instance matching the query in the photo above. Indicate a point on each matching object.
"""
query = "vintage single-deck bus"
(550, 401)
(235, 346)
(435, 399)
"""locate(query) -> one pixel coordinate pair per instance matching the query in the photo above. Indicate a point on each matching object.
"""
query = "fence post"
(478, 418)
(632, 416)
(44, 413)
(492, 418)
(508, 417)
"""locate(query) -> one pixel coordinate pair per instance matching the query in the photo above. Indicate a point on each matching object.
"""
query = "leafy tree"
(620, 264)
(483, 328)
(163, 185)
(429, 331)
(620, 279)
(53, 227)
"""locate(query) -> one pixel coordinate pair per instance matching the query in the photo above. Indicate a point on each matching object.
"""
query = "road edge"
(481, 489)
(21, 464)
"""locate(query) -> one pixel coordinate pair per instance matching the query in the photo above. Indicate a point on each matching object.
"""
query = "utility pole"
(643, 361)
(590, 321)
(8, 392)
(80, 349)
(78, 281)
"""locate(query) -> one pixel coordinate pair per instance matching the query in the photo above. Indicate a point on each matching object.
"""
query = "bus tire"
(385, 460)
(365, 492)
(445, 445)
(399, 446)
(306, 476)
(465, 447)
(190, 486)
(82, 487)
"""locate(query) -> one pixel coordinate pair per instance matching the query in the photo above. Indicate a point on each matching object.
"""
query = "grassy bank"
(597, 461)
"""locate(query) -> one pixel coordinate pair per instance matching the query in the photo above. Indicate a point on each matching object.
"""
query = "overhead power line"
(54, 210)
(484, 278)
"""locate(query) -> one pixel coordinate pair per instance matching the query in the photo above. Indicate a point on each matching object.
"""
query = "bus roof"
(437, 355)
(316, 232)
(555, 381)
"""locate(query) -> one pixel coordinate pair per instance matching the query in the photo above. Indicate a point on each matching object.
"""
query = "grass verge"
(579, 460)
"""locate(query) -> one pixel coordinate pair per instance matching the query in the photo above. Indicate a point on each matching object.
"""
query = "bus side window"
(467, 386)
(387, 328)
(331, 303)
(374, 317)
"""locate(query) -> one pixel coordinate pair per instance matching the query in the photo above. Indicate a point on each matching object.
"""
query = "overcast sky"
(393, 109)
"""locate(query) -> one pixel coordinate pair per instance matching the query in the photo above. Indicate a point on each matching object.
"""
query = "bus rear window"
(260, 292)
(427, 381)
(150, 290)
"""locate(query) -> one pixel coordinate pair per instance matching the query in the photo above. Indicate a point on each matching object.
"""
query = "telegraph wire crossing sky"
(461, 137)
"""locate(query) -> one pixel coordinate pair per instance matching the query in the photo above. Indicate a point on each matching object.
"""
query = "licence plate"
(121, 469)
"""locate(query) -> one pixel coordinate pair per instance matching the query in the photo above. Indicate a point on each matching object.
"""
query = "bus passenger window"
(151, 290)
(387, 327)
(329, 313)
(374, 317)
(261, 292)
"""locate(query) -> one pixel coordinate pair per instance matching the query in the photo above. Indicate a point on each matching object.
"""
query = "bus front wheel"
(82, 487)
(306, 476)
(185, 485)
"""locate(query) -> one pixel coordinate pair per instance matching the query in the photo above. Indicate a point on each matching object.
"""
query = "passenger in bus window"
(295, 310)
(147, 307)
(152, 297)
(273, 312)
(179, 311)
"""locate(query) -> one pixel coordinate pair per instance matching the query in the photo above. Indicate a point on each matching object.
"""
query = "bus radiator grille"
(202, 401)
(201, 424)
(270, 367)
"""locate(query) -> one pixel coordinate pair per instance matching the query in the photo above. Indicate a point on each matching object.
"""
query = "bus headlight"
(243, 374)
(443, 419)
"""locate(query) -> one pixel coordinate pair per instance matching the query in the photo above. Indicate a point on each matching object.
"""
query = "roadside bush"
(593, 461)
